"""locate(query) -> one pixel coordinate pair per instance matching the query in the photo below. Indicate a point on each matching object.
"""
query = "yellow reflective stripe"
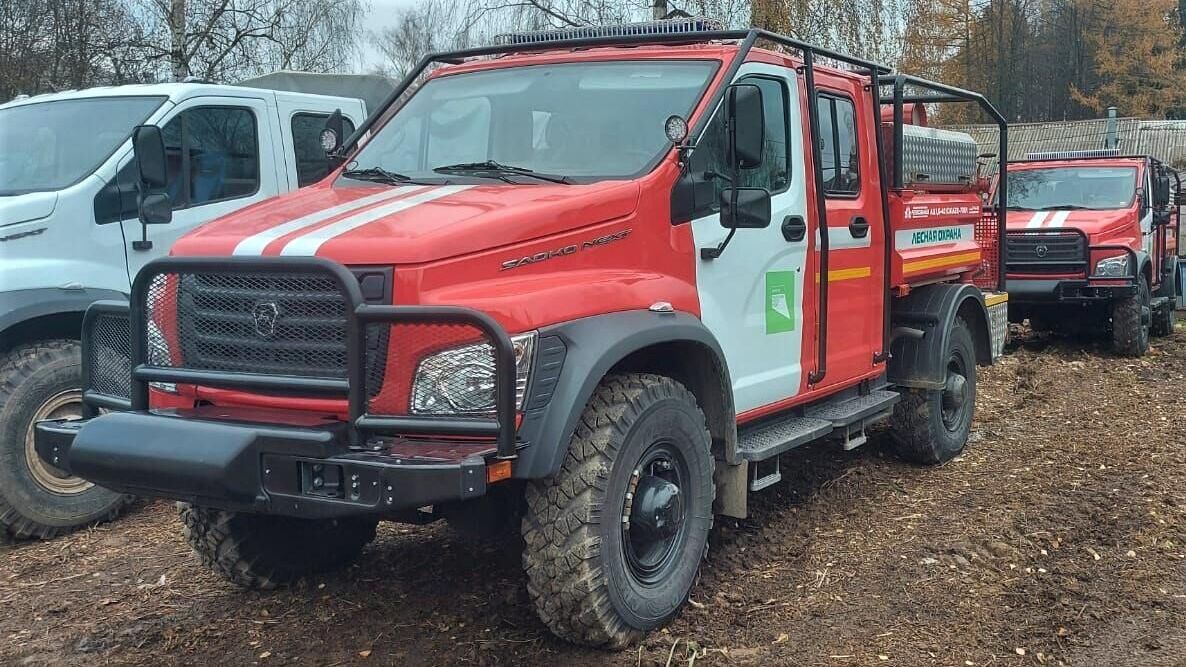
(835, 275)
(936, 262)
(996, 298)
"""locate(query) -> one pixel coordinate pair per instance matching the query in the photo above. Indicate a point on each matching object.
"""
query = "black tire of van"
(612, 549)
(1131, 321)
(39, 381)
(931, 426)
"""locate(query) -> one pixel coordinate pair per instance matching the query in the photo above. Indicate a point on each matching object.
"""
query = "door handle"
(859, 227)
(794, 228)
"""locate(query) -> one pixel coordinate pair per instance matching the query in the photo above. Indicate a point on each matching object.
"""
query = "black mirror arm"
(713, 253)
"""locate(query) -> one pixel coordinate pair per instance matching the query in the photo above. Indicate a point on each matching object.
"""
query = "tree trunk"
(177, 56)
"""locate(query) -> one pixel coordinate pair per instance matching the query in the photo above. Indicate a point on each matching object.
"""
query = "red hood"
(1092, 223)
(408, 224)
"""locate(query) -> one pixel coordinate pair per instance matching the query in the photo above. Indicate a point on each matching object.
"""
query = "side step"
(775, 437)
(854, 409)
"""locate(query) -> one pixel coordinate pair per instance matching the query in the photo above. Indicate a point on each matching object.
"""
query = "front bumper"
(219, 458)
(1077, 290)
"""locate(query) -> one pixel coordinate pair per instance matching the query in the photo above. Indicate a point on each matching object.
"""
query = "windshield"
(583, 121)
(52, 145)
(1096, 188)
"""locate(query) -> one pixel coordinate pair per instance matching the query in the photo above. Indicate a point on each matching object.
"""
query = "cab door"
(855, 233)
(219, 152)
(751, 296)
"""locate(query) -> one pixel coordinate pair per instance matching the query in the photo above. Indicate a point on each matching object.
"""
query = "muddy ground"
(1058, 538)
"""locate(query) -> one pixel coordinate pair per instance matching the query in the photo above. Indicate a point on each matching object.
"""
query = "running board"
(855, 409)
(772, 438)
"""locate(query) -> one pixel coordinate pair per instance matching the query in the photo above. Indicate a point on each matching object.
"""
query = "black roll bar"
(878, 75)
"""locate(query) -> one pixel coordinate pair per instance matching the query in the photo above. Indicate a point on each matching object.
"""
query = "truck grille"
(1045, 252)
(271, 324)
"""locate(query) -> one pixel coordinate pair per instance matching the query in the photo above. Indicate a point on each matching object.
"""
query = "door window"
(212, 154)
(774, 174)
(311, 163)
(839, 157)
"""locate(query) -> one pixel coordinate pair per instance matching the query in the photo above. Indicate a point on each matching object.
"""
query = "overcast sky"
(379, 18)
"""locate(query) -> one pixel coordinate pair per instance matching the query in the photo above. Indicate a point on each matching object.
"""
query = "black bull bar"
(226, 457)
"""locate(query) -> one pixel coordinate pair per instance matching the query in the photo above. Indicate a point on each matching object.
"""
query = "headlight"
(159, 354)
(462, 380)
(1113, 267)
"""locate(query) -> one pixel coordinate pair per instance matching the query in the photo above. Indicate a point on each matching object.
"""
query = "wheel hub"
(654, 526)
(63, 405)
(955, 391)
(658, 509)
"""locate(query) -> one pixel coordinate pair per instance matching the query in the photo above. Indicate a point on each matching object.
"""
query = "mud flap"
(997, 306)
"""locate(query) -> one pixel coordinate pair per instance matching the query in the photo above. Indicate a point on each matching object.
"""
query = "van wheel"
(1131, 321)
(932, 426)
(615, 539)
(42, 381)
(262, 552)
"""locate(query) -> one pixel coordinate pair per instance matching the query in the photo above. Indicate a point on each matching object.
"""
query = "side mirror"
(745, 208)
(152, 204)
(747, 131)
(149, 147)
(1161, 190)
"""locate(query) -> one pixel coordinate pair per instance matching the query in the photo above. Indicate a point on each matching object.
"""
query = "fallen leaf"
(366, 653)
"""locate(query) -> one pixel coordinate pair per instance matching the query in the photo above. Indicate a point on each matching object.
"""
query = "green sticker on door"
(780, 300)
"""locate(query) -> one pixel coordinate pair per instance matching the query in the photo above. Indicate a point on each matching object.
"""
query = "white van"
(69, 235)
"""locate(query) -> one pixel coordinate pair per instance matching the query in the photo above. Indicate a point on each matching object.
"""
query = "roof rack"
(688, 25)
(1073, 155)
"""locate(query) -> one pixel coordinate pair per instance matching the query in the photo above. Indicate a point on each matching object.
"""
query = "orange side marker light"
(498, 471)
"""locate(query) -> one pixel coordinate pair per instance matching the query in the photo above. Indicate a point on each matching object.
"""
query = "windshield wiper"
(377, 175)
(1063, 207)
(492, 169)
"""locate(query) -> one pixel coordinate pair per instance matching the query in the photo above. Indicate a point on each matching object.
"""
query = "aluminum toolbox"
(931, 156)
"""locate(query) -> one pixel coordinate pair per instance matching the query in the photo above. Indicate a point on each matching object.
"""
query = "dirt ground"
(1058, 538)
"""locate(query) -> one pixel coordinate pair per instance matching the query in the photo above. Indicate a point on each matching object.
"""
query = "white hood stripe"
(256, 243)
(1059, 218)
(309, 244)
(1037, 220)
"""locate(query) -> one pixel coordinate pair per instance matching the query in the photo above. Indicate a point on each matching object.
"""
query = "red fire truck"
(1092, 245)
(596, 280)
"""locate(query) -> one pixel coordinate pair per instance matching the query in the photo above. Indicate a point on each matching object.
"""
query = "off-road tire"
(577, 574)
(918, 431)
(1165, 319)
(30, 376)
(1131, 320)
(262, 552)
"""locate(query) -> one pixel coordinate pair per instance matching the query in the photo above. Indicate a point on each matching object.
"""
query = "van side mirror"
(152, 203)
(747, 131)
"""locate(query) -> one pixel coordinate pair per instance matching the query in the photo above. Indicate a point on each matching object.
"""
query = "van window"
(311, 163)
(774, 174)
(212, 155)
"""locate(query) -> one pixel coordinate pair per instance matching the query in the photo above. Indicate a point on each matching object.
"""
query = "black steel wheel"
(615, 539)
(932, 426)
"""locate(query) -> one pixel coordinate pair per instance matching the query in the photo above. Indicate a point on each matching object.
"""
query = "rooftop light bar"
(664, 27)
(1071, 155)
